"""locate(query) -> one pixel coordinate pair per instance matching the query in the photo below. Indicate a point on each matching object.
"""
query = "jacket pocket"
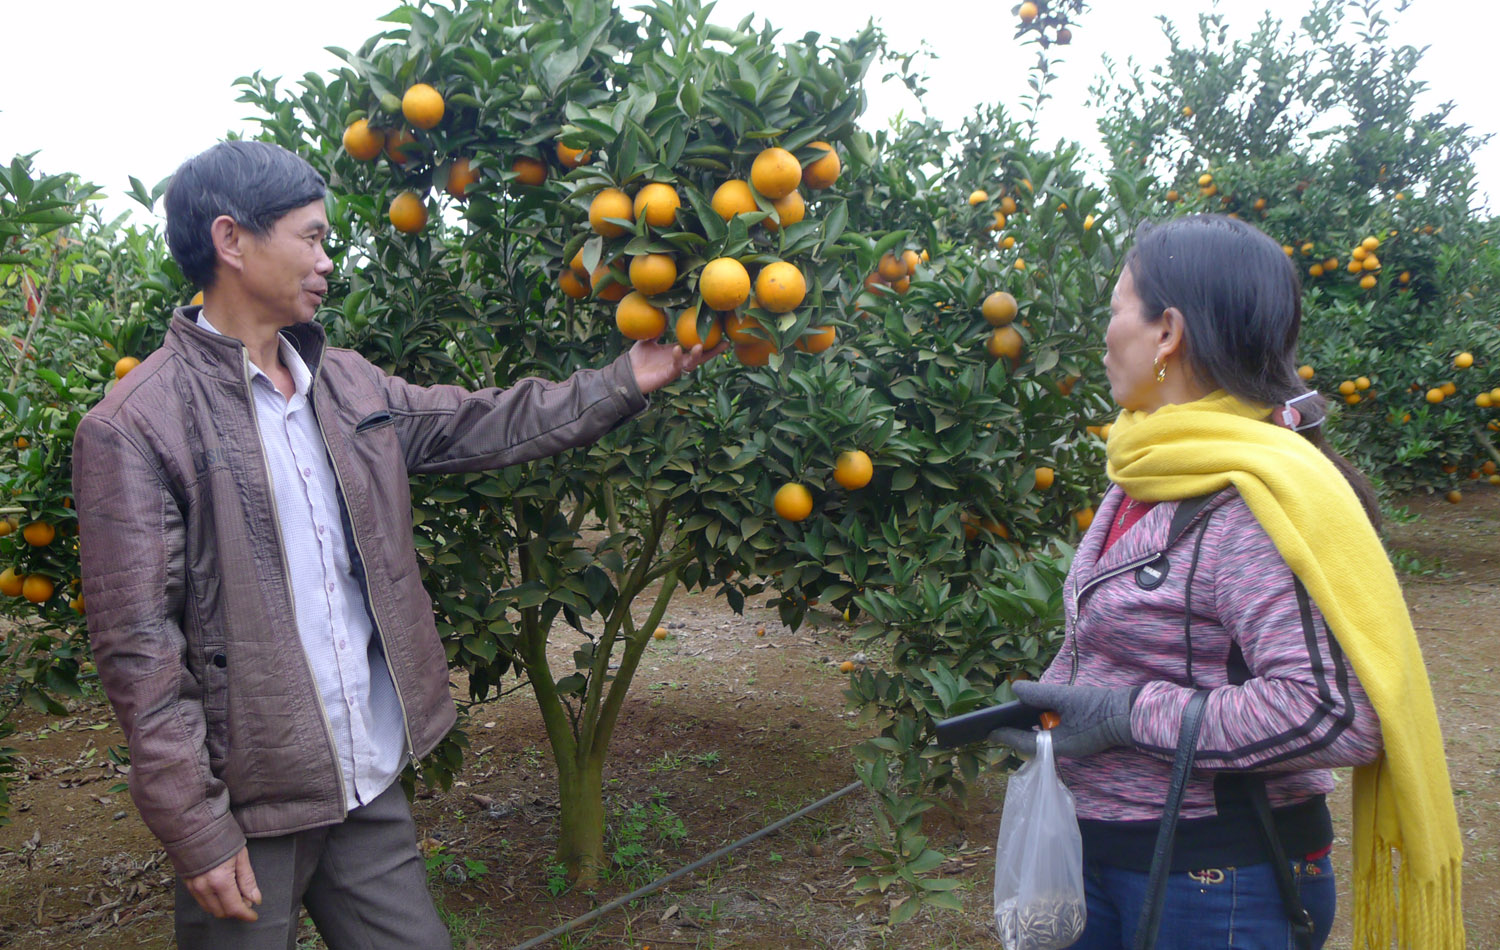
(375, 420)
(216, 707)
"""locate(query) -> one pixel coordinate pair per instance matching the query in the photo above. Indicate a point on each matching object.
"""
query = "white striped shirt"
(364, 715)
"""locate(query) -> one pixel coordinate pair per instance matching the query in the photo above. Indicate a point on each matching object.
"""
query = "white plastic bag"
(1039, 902)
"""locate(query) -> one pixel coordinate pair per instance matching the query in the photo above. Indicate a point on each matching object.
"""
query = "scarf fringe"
(1427, 916)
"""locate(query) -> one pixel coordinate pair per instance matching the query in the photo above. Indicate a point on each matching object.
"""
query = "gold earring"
(1161, 369)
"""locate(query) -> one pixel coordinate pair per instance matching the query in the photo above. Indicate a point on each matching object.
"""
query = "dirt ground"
(726, 731)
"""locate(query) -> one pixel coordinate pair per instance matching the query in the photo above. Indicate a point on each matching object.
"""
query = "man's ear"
(229, 238)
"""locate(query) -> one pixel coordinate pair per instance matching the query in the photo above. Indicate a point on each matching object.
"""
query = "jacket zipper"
(411, 745)
(1078, 593)
(276, 519)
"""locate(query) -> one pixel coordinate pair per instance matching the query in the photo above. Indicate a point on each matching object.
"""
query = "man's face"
(286, 271)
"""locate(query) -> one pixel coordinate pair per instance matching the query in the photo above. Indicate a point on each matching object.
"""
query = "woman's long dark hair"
(1241, 300)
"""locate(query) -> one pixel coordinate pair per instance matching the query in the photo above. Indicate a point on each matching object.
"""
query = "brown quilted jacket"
(190, 606)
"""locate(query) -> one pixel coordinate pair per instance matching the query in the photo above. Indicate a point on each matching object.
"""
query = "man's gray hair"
(255, 183)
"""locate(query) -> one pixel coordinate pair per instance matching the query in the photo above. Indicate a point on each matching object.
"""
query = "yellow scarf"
(1403, 802)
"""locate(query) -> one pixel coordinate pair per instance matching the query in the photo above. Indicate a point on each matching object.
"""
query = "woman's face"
(1130, 346)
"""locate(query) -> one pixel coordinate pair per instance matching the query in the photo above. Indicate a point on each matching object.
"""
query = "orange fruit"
(978, 196)
(400, 146)
(912, 260)
(1008, 205)
(996, 528)
(1463, 360)
(37, 589)
(1305, 371)
(1084, 518)
(653, 274)
(11, 583)
(775, 172)
(999, 308)
(1370, 243)
(572, 157)
(1448, 388)
(606, 285)
(1352, 399)
(999, 223)
(1347, 388)
(1453, 498)
(39, 534)
(1315, 271)
(423, 106)
(610, 203)
(197, 300)
(853, 469)
(724, 283)
(22, 442)
(1367, 282)
(530, 171)
(124, 365)
(1005, 342)
(789, 211)
(577, 265)
(1173, 196)
(408, 213)
(739, 326)
(660, 633)
(687, 330)
(733, 198)
(890, 267)
(638, 319)
(1020, 264)
(793, 501)
(1045, 477)
(824, 170)
(659, 203)
(780, 287)
(1435, 395)
(1362, 383)
(362, 142)
(757, 353)
(571, 285)
(902, 286)
(1027, 12)
(847, 666)
(461, 176)
(6, 527)
(818, 339)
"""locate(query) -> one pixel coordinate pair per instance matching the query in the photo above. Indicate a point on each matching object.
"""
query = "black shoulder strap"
(1187, 510)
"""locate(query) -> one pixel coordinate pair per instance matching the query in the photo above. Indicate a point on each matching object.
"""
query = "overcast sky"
(133, 88)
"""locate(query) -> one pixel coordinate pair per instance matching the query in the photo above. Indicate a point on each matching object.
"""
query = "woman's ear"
(1171, 332)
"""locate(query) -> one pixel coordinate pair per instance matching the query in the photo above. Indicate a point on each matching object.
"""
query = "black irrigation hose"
(664, 881)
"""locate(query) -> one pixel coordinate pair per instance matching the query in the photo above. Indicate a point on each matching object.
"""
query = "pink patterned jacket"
(1298, 711)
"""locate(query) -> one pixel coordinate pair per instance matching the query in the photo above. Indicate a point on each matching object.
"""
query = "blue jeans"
(1230, 908)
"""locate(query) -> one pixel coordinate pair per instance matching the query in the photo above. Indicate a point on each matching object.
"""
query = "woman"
(1200, 358)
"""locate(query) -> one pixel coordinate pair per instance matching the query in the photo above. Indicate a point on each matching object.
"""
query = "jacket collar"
(223, 356)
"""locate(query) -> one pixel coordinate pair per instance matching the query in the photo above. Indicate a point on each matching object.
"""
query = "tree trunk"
(580, 839)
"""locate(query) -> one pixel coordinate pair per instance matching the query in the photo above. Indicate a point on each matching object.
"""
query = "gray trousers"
(362, 881)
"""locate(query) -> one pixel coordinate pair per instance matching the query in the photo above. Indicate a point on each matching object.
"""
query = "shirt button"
(320, 529)
(330, 588)
(343, 644)
(307, 473)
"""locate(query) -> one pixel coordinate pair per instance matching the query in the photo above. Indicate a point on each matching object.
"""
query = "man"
(254, 601)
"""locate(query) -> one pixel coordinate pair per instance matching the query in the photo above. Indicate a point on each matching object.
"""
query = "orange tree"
(78, 300)
(986, 352)
(1318, 139)
(520, 192)
(515, 192)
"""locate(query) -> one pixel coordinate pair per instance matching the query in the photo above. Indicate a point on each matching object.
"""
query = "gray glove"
(1093, 718)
